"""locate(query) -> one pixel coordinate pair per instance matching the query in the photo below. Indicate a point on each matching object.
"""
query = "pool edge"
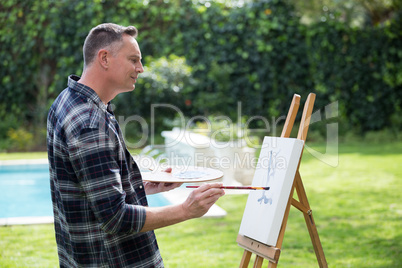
(26, 220)
(24, 162)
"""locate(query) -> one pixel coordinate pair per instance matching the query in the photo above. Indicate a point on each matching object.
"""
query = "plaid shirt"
(97, 191)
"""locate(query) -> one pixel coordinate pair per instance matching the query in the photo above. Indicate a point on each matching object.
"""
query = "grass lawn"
(356, 206)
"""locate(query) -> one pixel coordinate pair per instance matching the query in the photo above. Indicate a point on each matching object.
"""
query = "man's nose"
(140, 68)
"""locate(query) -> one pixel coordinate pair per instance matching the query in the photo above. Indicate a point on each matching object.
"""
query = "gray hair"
(105, 36)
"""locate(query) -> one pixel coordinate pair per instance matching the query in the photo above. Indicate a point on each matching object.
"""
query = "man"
(99, 200)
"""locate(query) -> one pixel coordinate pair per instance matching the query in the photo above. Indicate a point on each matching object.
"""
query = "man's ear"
(103, 58)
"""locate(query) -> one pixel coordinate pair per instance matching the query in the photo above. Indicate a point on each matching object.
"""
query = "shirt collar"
(86, 91)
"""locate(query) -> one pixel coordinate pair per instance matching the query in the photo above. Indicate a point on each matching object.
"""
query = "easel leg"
(272, 265)
(308, 217)
(246, 259)
(258, 261)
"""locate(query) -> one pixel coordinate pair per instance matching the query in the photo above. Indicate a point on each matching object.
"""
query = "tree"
(355, 13)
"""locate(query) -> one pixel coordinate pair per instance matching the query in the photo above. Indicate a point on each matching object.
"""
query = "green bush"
(165, 81)
(20, 139)
(259, 54)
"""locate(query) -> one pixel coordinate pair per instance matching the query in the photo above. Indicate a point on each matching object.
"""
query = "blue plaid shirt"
(97, 191)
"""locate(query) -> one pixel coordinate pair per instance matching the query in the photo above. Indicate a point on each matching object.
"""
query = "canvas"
(276, 168)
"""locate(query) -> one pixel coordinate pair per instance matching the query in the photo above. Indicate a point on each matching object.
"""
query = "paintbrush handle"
(236, 187)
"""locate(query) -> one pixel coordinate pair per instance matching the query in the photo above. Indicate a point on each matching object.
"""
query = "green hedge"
(259, 54)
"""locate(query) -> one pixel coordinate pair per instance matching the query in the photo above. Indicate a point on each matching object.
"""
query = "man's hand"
(158, 187)
(201, 199)
(196, 205)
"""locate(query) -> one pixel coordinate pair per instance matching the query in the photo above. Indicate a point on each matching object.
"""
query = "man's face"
(126, 65)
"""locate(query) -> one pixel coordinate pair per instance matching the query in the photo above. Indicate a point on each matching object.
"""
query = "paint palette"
(184, 174)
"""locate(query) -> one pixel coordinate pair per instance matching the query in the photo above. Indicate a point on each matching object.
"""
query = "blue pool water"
(25, 192)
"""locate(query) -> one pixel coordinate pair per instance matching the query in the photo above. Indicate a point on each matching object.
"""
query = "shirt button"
(140, 186)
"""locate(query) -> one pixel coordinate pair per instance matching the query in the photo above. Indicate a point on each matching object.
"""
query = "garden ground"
(356, 207)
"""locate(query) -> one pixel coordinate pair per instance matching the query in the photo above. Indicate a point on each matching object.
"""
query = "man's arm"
(93, 159)
(196, 205)
(104, 190)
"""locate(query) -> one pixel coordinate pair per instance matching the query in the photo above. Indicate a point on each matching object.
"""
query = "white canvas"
(276, 168)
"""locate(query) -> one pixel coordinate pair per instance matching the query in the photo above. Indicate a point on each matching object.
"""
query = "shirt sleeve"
(95, 159)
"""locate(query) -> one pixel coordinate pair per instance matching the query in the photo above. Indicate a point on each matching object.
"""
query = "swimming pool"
(25, 191)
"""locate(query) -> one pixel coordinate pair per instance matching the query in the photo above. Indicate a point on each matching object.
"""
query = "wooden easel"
(270, 253)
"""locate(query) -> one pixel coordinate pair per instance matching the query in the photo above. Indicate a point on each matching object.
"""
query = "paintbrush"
(237, 187)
